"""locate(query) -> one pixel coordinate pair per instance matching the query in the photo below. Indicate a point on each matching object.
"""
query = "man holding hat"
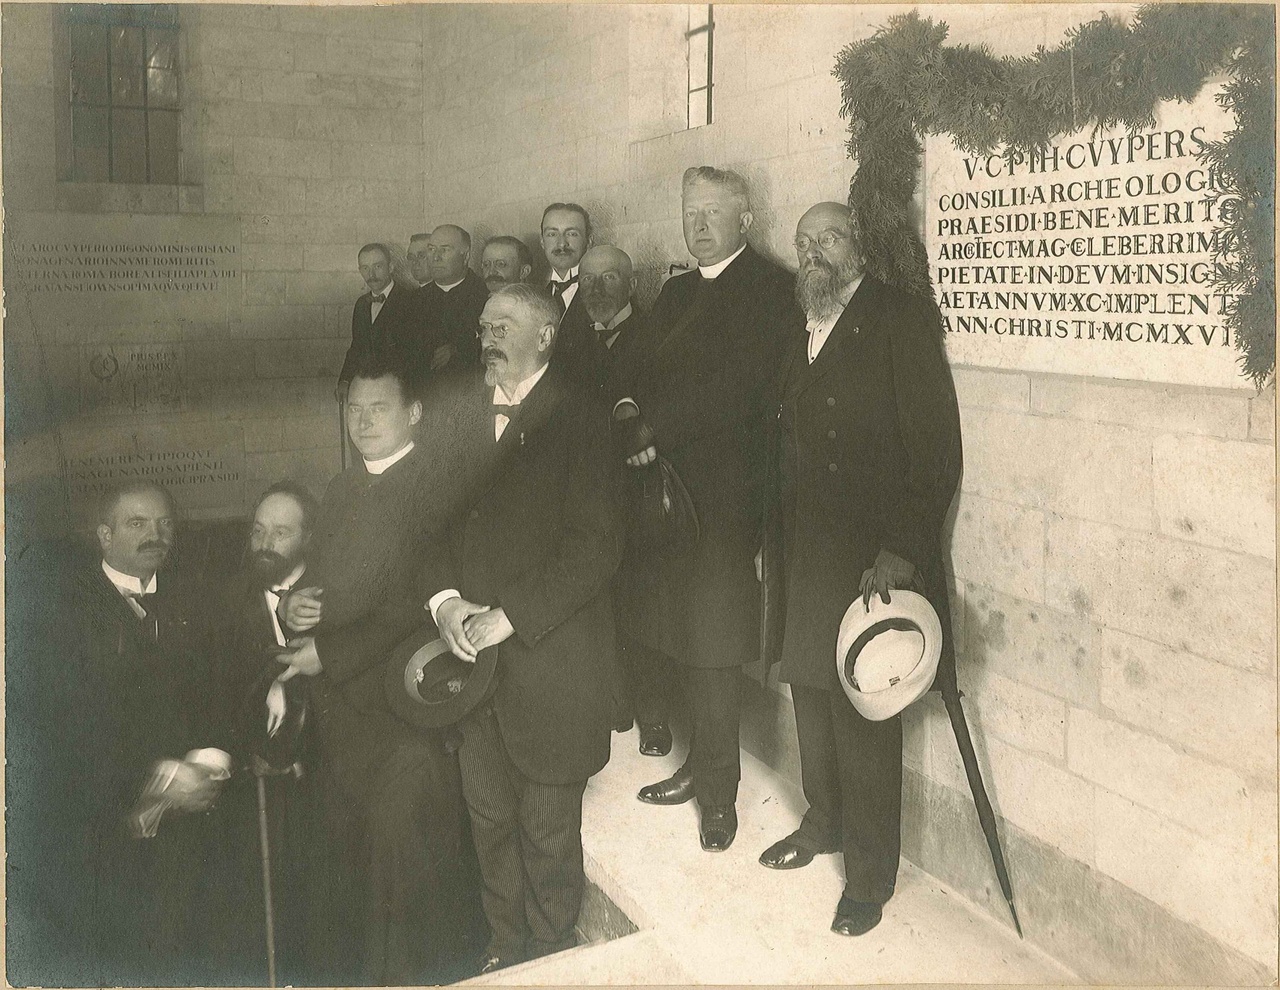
(522, 583)
(868, 461)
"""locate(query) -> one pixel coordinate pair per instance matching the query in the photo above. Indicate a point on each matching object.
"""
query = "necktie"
(558, 290)
(136, 602)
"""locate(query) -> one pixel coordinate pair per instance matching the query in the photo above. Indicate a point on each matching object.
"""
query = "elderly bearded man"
(525, 572)
(869, 462)
(698, 397)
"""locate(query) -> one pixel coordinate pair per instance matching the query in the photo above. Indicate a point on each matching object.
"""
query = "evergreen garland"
(903, 83)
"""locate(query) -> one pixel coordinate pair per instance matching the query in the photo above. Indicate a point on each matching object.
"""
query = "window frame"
(65, 17)
(709, 29)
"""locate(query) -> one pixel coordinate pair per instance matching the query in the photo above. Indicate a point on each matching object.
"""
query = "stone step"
(721, 918)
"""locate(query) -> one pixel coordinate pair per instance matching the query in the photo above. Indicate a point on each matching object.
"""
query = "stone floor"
(722, 918)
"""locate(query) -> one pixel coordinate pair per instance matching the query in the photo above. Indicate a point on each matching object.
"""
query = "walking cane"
(342, 432)
(265, 844)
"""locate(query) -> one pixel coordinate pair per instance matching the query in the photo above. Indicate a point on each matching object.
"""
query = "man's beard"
(493, 359)
(495, 282)
(598, 304)
(270, 568)
(818, 288)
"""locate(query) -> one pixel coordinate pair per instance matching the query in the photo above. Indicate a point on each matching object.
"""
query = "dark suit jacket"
(579, 353)
(704, 391)
(95, 697)
(398, 328)
(621, 359)
(452, 317)
(540, 540)
(869, 459)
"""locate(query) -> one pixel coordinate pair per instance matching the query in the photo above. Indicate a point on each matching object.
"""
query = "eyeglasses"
(826, 240)
(497, 330)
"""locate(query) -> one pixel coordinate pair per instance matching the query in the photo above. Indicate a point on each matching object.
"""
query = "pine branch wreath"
(903, 83)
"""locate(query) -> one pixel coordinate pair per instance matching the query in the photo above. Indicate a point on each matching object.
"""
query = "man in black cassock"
(398, 903)
(110, 772)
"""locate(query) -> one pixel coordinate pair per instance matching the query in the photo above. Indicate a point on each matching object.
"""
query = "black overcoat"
(870, 459)
(704, 390)
(451, 317)
(540, 539)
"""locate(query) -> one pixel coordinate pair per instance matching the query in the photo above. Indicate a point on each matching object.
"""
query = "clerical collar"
(451, 285)
(127, 583)
(711, 271)
(846, 294)
(382, 463)
(522, 390)
(555, 276)
(290, 581)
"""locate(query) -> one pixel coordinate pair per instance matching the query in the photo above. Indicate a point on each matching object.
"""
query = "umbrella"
(265, 845)
(951, 698)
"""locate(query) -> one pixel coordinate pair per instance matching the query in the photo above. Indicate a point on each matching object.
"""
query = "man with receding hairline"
(107, 687)
(525, 572)
(868, 462)
(388, 319)
(699, 398)
(416, 256)
(451, 303)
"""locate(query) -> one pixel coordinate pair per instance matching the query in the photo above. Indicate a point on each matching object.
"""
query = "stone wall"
(302, 140)
(1113, 544)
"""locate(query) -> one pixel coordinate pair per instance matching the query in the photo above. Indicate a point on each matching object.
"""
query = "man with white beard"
(868, 463)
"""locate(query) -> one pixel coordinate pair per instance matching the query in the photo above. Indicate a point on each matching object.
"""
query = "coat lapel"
(844, 335)
(529, 419)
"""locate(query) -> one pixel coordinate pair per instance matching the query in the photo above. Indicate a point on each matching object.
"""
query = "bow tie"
(501, 409)
(558, 287)
(380, 298)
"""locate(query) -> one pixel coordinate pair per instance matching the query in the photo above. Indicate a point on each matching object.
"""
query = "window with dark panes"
(701, 38)
(125, 92)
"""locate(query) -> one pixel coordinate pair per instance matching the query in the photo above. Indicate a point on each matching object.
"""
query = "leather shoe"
(787, 855)
(718, 826)
(855, 917)
(655, 739)
(676, 789)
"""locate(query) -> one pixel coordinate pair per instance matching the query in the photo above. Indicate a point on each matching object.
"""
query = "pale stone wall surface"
(1113, 543)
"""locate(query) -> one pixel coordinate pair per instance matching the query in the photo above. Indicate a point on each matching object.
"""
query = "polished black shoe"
(787, 855)
(718, 827)
(676, 789)
(855, 917)
(655, 739)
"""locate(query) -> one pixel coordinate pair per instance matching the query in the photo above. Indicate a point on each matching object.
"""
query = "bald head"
(837, 213)
(607, 280)
(448, 249)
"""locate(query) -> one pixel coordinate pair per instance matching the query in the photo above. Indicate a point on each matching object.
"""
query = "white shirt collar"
(522, 390)
(382, 463)
(451, 285)
(711, 271)
(573, 273)
(127, 582)
(386, 292)
(618, 317)
(289, 581)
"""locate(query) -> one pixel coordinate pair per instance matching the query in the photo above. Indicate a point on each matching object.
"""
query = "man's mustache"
(268, 555)
(491, 354)
(152, 545)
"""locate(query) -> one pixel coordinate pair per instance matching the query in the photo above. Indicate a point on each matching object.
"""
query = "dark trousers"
(851, 770)
(528, 837)
(715, 706)
(395, 897)
(646, 681)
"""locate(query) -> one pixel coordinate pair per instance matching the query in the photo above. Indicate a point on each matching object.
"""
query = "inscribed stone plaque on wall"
(202, 464)
(73, 274)
(129, 379)
(1092, 258)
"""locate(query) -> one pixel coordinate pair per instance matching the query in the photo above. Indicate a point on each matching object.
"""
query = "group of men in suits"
(500, 428)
